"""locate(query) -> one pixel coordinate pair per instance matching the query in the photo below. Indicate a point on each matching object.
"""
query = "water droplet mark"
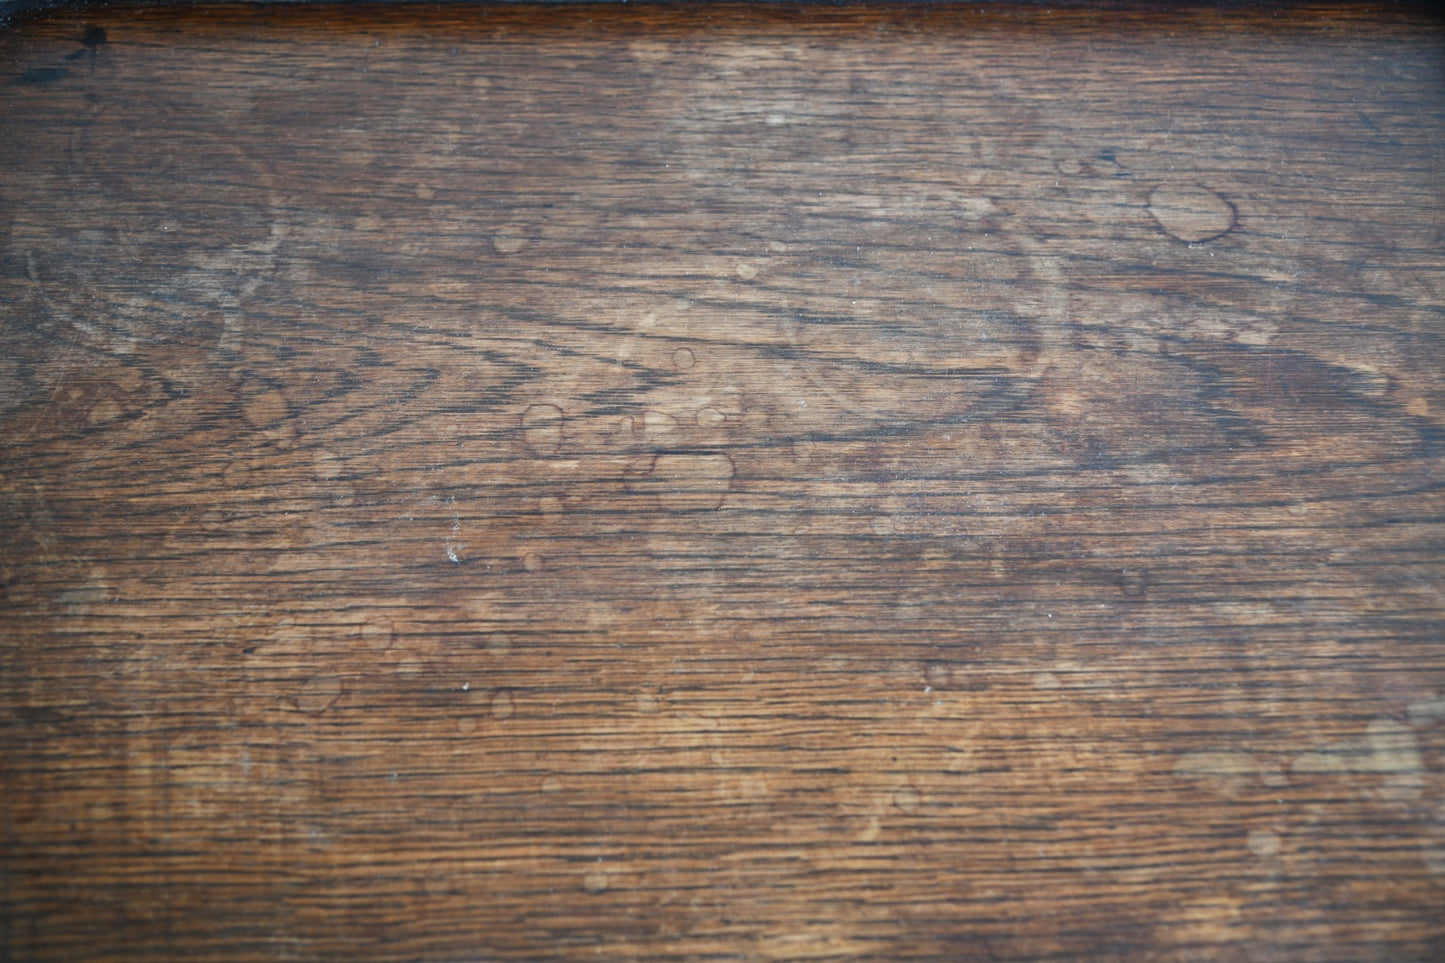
(1263, 843)
(542, 427)
(684, 358)
(377, 634)
(502, 705)
(711, 418)
(596, 880)
(454, 544)
(1133, 584)
(907, 799)
(653, 424)
(1191, 212)
(937, 675)
(319, 693)
(684, 481)
(948, 360)
(265, 409)
(105, 411)
(1388, 747)
(508, 241)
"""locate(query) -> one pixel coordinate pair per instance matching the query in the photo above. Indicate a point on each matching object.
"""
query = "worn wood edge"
(1286, 14)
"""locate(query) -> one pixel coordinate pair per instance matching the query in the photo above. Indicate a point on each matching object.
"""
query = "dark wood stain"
(722, 482)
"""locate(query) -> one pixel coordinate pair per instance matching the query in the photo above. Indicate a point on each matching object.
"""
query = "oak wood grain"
(722, 482)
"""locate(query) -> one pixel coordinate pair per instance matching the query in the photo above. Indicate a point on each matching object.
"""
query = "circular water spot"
(596, 880)
(105, 411)
(710, 418)
(542, 426)
(907, 799)
(265, 408)
(508, 242)
(499, 643)
(319, 693)
(653, 424)
(979, 344)
(1432, 849)
(377, 634)
(747, 271)
(201, 269)
(937, 675)
(1191, 212)
(1263, 843)
(502, 707)
(1133, 584)
(684, 481)
(684, 358)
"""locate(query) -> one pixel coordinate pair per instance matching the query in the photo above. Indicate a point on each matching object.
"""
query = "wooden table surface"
(722, 482)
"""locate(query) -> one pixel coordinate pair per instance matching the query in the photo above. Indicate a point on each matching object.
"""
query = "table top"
(730, 482)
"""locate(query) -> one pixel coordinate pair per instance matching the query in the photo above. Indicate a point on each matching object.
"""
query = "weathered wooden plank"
(722, 481)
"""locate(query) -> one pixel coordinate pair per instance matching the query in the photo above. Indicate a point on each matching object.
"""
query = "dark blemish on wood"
(37, 76)
(1133, 584)
(91, 40)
